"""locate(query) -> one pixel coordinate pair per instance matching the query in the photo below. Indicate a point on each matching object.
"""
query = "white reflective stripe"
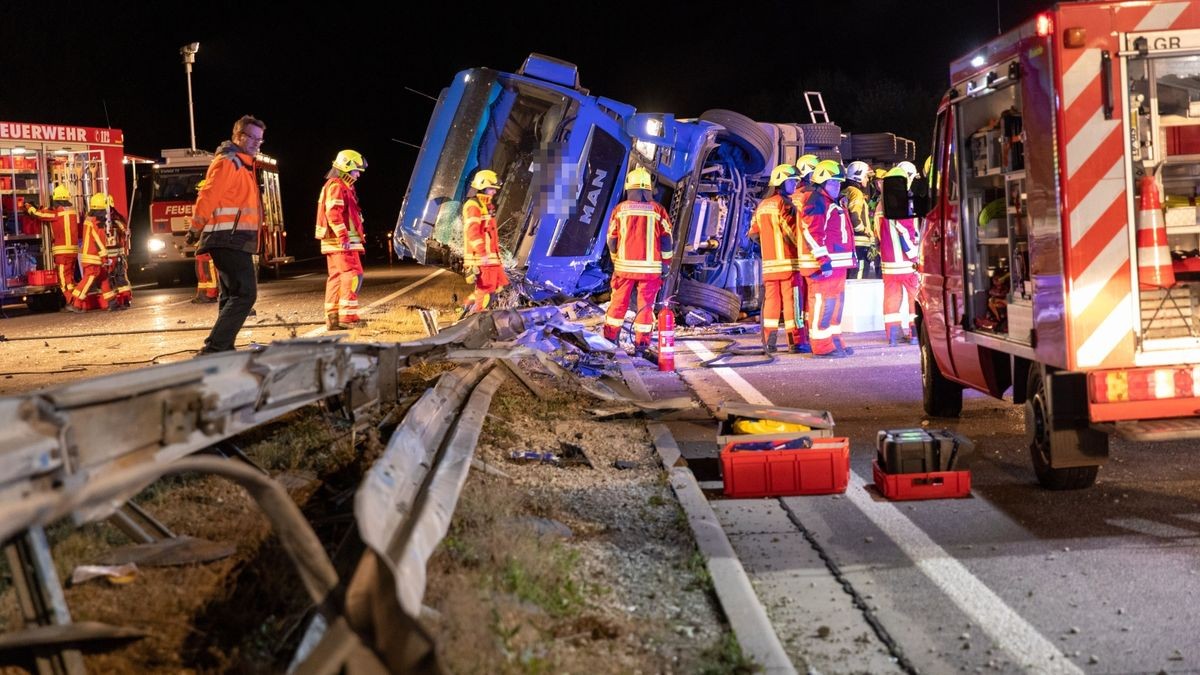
(339, 202)
(614, 321)
(1097, 200)
(1107, 335)
(227, 211)
(771, 323)
(1085, 142)
(666, 349)
(642, 327)
(820, 251)
(1081, 73)
(1103, 267)
(1161, 16)
(789, 324)
(841, 256)
(1154, 256)
(893, 318)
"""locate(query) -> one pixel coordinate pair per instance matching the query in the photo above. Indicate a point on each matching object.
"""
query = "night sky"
(335, 77)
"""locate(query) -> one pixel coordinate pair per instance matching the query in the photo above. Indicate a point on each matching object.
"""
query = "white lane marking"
(1008, 629)
(147, 285)
(387, 298)
(740, 385)
(304, 275)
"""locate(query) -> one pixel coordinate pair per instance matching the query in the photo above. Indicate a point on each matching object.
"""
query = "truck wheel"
(44, 302)
(726, 305)
(823, 135)
(1044, 442)
(941, 397)
(744, 133)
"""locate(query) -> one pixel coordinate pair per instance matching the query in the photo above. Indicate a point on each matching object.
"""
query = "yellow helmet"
(783, 172)
(61, 193)
(827, 169)
(928, 164)
(638, 179)
(805, 164)
(99, 202)
(484, 179)
(349, 160)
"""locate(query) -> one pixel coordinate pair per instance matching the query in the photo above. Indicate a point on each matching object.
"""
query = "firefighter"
(118, 243)
(340, 230)
(639, 241)
(64, 237)
(481, 242)
(898, 250)
(207, 280)
(93, 254)
(832, 240)
(858, 175)
(805, 262)
(774, 226)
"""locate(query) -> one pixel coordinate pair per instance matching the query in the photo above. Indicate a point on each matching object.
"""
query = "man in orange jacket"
(481, 242)
(639, 241)
(92, 256)
(774, 226)
(340, 230)
(64, 237)
(226, 222)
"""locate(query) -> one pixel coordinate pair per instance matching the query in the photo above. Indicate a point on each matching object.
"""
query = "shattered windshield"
(506, 126)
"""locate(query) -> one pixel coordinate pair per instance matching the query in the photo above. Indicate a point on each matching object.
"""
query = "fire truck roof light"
(978, 61)
(1044, 25)
(19, 150)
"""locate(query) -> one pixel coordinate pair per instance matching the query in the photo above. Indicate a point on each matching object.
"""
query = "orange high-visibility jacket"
(93, 251)
(897, 245)
(339, 218)
(481, 241)
(64, 229)
(639, 237)
(830, 229)
(774, 225)
(229, 207)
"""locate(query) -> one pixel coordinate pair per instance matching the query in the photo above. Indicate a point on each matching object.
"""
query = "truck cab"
(1038, 267)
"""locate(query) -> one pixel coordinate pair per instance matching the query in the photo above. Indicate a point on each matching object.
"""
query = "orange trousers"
(342, 286)
(65, 264)
(777, 296)
(897, 311)
(825, 297)
(93, 275)
(622, 292)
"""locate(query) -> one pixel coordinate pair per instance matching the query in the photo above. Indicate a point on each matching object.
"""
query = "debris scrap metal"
(85, 449)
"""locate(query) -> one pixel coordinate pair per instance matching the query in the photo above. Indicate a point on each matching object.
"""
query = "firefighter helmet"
(805, 164)
(928, 164)
(908, 169)
(638, 179)
(349, 160)
(783, 172)
(858, 172)
(61, 193)
(828, 169)
(484, 179)
(99, 202)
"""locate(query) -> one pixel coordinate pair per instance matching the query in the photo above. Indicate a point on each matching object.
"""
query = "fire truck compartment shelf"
(1178, 121)
(1002, 343)
(994, 241)
(22, 237)
(1159, 430)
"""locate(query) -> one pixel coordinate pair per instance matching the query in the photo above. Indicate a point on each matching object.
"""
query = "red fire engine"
(1043, 258)
(33, 159)
(175, 180)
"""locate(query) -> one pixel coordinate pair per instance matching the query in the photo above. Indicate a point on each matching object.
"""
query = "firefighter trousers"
(207, 281)
(65, 264)
(343, 284)
(93, 276)
(898, 309)
(622, 291)
(868, 265)
(118, 275)
(825, 298)
(778, 294)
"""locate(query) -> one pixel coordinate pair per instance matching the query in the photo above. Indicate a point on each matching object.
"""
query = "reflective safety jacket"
(898, 245)
(639, 239)
(832, 237)
(860, 214)
(775, 226)
(806, 258)
(118, 236)
(64, 228)
(339, 218)
(481, 240)
(92, 249)
(228, 209)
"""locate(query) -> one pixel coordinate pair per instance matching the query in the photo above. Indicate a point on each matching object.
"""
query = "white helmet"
(858, 172)
(908, 169)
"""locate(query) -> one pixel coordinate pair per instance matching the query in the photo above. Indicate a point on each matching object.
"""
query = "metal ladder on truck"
(816, 107)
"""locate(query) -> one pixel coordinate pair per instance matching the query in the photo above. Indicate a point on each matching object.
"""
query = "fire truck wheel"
(1045, 442)
(726, 305)
(940, 396)
(744, 133)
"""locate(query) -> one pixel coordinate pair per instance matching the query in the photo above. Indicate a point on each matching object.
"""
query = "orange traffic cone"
(1155, 269)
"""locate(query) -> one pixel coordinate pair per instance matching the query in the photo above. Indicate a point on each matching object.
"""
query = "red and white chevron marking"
(1101, 299)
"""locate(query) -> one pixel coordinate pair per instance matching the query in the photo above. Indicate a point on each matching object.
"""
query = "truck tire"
(940, 396)
(1044, 442)
(724, 304)
(877, 146)
(827, 153)
(824, 135)
(744, 133)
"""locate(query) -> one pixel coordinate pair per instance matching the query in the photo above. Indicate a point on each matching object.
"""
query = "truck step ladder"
(816, 107)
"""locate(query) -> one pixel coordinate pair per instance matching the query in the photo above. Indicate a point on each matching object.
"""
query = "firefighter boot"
(331, 322)
(769, 338)
(802, 344)
(893, 336)
(912, 335)
(837, 344)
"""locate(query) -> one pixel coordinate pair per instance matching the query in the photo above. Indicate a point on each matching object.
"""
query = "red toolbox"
(43, 278)
(820, 470)
(933, 485)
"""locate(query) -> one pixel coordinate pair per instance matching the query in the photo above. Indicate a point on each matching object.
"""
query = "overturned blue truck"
(562, 155)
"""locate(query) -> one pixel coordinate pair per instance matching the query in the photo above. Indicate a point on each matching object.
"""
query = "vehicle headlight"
(155, 245)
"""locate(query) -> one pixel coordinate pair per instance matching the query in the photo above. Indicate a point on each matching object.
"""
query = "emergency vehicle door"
(940, 262)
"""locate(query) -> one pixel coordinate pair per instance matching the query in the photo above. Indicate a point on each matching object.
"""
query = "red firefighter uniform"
(831, 235)
(64, 242)
(639, 239)
(92, 255)
(340, 229)
(207, 280)
(481, 248)
(775, 226)
(898, 252)
(806, 264)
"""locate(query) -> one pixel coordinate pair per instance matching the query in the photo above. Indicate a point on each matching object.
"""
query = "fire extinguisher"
(666, 338)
